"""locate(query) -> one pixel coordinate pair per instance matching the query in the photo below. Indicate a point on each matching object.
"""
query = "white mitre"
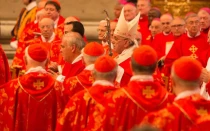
(127, 29)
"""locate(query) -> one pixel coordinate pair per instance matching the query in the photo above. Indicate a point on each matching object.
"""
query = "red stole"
(32, 103)
(80, 107)
(75, 84)
(127, 106)
(70, 70)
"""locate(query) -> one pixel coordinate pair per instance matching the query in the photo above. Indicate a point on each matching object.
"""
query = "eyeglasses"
(194, 22)
(165, 23)
(177, 26)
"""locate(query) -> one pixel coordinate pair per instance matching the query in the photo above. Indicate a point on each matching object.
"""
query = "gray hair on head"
(74, 38)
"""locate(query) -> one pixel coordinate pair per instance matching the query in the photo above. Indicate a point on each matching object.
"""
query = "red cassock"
(162, 44)
(127, 106)
(32, 102)
(73, 85)
(182, 115)
(81, 106)
(53, 47)
(186, 46)
(70, 70)
(4, 68)
(143, 27)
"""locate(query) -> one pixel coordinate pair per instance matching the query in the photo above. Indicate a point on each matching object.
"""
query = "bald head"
(144, 6)
(178, 26)
(130, 11)
(46, 26)
(70, 19)
(166, 21)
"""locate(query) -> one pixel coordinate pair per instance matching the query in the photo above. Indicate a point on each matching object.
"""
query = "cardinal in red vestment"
(79, 108)
(4, 67)
(84, 80)
(204, 14)
(188, 106)
(126, 107)
(71, 46)
(188, 44)
(32, 102)
(47, 38)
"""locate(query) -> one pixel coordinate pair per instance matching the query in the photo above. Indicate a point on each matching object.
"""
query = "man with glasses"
(124, 43)
(192, 44)
(178, 27)
(204, 15)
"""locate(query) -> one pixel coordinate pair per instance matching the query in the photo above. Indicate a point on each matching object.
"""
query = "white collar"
(36, 69)
(78, 58)
(50, 40)
(103, 83)
(142, 78)
(187, 93)
(56, 22)
(104, 43)
(31, 5)
(165, 34)
(195, 35)
(89, 67)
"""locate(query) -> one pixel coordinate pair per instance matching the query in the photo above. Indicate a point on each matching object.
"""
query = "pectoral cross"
(193, 49)
(38, 84)
(148, 92)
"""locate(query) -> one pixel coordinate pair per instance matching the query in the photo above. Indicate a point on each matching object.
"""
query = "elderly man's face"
(130, 12)
(46, 26)
(156, 27)
(193, 25)
(119, 44)
(178, 27)
(143, 7)
(102, 32)
(204, 19)
(166, 21)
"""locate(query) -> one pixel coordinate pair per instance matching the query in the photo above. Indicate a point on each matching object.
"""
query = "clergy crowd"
(148, 71)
